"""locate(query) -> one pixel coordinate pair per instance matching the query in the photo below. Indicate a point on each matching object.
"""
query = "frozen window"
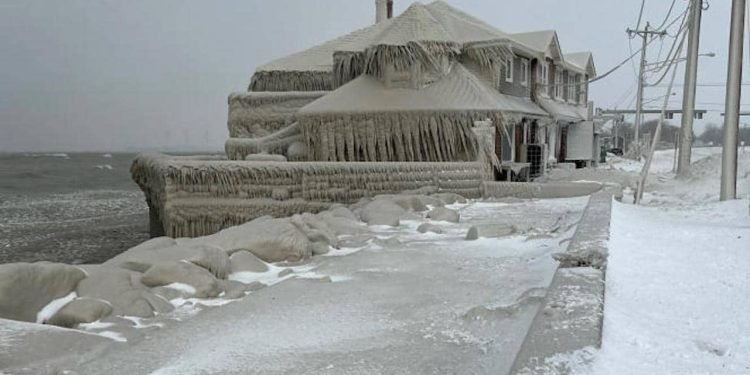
(544, 76)
(525, 72)
(509, 69)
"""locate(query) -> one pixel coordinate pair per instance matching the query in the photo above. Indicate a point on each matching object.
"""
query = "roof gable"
(583, 61)
(545, 41)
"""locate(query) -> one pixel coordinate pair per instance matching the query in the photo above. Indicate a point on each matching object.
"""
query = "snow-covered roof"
(437, 22)
(320, 57)
(564, 112)
(459, 90)
(544, 41)
(417, 23)
(583, 61)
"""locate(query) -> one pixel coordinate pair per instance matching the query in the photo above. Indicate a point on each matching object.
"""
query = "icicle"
(329, 128)
(350, 146)
(324, 147)
(371, 139)
(340, 141)
(436, 139)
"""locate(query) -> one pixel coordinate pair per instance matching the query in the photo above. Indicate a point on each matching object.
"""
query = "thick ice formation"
(163, 275)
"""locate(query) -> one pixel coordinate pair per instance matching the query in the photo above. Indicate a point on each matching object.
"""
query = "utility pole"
(688, 101)
(645, 34)
(734, 93)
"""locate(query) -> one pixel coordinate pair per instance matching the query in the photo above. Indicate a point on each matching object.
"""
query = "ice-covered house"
(410, 89)
(430, 99)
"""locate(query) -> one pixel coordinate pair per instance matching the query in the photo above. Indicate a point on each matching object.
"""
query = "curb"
(534, 190)
(571, 316)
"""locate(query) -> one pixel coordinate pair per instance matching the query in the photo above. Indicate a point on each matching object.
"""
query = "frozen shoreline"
(344, 305)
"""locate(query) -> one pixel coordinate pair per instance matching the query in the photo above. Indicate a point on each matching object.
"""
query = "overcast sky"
(105, 75)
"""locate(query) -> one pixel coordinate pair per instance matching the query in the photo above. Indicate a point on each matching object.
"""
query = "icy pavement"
(407, 303)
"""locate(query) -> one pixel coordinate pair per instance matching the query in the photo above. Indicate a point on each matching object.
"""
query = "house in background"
(410, 88)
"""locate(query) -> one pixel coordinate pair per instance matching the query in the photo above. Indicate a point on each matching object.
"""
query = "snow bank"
(677, 291)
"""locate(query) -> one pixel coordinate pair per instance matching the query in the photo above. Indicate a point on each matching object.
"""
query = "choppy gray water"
(74, 208)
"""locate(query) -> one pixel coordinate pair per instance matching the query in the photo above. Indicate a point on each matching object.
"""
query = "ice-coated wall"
(258, 114)
(190, 197)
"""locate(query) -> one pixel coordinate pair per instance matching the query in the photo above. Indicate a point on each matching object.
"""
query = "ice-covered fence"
(278, 142)
(193, 197)
(257, 114)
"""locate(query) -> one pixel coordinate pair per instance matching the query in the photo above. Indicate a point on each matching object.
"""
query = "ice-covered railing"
(192, 197)
(258, 114)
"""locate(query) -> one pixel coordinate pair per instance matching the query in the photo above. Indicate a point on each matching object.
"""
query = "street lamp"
(658, 98)
(708, 54)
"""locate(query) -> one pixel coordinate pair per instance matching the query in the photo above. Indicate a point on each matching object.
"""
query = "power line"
(682, 30)
(669, 13)
(711, 84)
(675, 58)
(640, 17)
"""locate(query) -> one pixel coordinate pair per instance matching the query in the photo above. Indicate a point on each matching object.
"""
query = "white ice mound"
(25, 289)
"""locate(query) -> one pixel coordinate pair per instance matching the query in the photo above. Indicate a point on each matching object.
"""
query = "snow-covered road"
(414, 303)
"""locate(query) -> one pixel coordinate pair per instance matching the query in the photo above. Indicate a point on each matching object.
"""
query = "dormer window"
(524, 72)
(509, 69)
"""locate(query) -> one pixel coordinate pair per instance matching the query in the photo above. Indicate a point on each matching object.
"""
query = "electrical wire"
(640, 16)
(682, 28)
(626, 95)
(674, 61)
(669, 13)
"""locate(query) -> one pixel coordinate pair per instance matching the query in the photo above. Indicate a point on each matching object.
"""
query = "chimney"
(381, 10)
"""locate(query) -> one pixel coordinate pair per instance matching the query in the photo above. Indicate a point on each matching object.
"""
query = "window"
(544, 78)
(559, 86)
(582, 92)
(524, 72)
(509, 69)
(572, 80)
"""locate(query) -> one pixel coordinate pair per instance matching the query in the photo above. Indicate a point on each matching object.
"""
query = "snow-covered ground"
(407, 303)
(677, 285)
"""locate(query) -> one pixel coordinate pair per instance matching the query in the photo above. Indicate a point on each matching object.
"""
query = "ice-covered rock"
(343, 212)
(382, 212)
(490, 231)
(214, 260)
(81, 310)
(341, 225)
(444, 214)
(232, 289)
(245, 261)
(276, 240)
(123, 290)
(410, 203)
(166, 273)
(316, 230)
(140, 259)
(449, 198)
(430, 228)
(27, 288)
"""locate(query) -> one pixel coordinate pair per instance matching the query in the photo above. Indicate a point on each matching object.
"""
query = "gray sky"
(105, 75)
